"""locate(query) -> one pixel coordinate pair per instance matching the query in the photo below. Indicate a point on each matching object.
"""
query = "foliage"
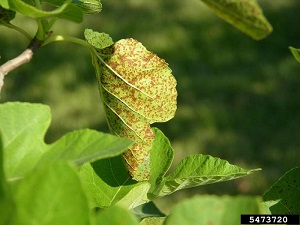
(76, 169)
(82, 177)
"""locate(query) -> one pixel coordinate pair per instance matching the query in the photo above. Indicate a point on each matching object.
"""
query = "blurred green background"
(239, 99)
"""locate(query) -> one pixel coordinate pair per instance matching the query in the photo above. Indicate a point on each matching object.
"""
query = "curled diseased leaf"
(138, 89)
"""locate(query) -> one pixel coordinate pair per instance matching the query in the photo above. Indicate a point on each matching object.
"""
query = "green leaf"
(98, 40)
(161, 158)
(84, 146)
(107, 183)
(203, 210)
(296, 53)
(24, 125)
(6, 202)
(4, 4)
(283, 197)
(137, 89)
(51, 195)
(245, 15)
(66, 11)
(114, 216)
(199, 170)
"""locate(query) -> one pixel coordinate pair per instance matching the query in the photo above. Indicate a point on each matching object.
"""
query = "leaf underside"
(245, 15)
(196, 170)
(137, 89)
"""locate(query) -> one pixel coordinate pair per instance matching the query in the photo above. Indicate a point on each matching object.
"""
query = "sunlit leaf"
(114, 216)
(215, 210)
(4, 4)
(161, 155)
(6, 201)
(51, 195)
(84, 146)
(66, 11)
(138, 89)
(196, 170)
(98, 40)
(283, 197)
(24, 125)
(245, 15)
(107, 183)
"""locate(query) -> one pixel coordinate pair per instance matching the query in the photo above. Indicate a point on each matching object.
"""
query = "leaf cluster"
(81, 179)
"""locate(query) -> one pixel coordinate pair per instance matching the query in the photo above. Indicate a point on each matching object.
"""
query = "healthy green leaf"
(161, 158)
(283, 197)
(98, 40)
(51, 195)
(6, 202)
(84, 146)
(24, 125)
(66, 11)
(245, 15)
(137, 89)
(198, 170)
(107, 183)
(296, 53)
(114, 216)
(4, 4)
(203, 210)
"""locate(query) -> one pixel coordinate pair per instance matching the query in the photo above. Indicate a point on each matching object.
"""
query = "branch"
(21, 59)
(12, 64)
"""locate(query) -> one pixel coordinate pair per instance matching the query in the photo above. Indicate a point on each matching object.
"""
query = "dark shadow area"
(113, 172)
(238, 99)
